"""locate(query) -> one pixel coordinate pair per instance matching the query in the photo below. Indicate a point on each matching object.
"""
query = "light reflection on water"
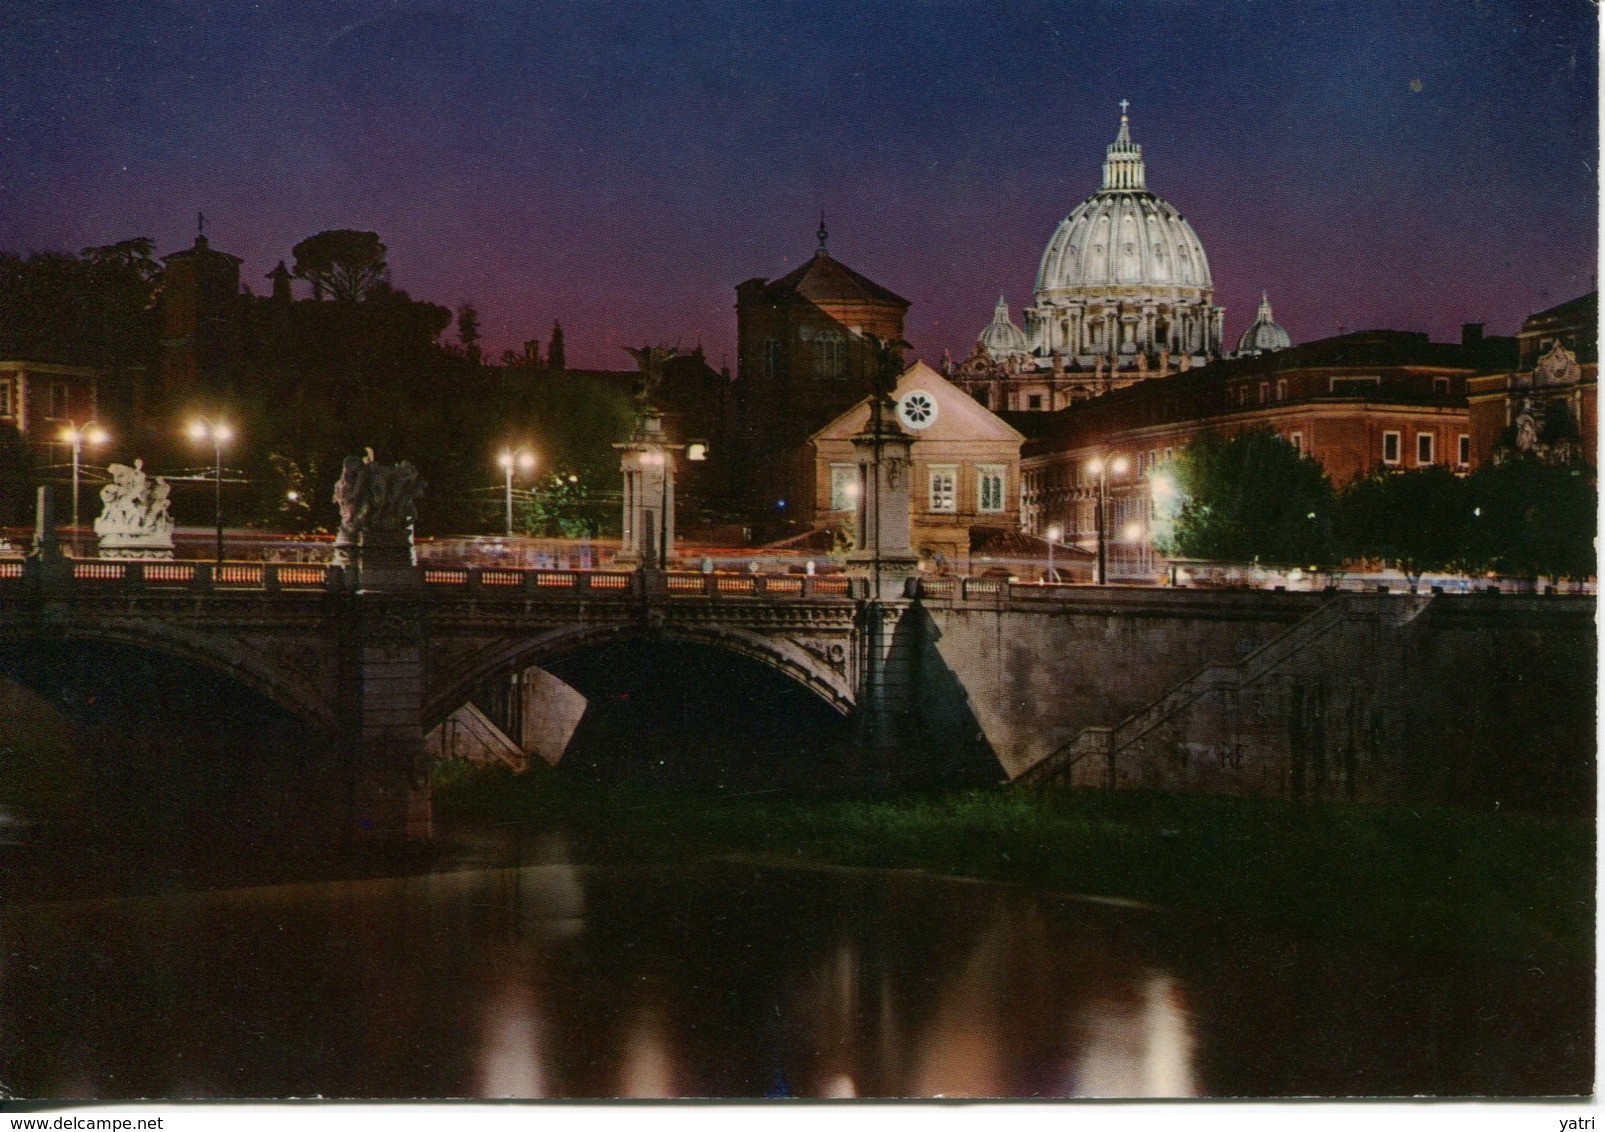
(547, 979)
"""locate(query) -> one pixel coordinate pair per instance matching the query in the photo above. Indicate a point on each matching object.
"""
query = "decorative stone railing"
(134, 575)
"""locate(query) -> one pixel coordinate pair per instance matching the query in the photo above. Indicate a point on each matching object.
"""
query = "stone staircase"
(1090, 758)
(471, 735)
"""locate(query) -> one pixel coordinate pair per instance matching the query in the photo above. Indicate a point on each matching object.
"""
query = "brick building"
(202, 345)
(41, 400)
(803, 357)
(1388, 399)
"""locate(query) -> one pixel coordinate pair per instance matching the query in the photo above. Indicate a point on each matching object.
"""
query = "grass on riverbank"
(1436, 879)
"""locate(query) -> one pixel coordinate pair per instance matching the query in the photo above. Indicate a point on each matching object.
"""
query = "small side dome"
(1265, 335)
(1002, 338)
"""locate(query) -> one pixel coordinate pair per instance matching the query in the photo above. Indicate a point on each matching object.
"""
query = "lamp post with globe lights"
(202, 429)
(524, 460)
(1054, 534)
(78, 435)
(1101, 467)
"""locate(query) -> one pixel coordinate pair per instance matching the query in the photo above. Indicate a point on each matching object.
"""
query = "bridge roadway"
(959, 675)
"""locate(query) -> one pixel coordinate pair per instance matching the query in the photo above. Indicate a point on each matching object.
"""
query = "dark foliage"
(1252, 497)
(1418, 520)
(96, 308)
(1534, 519)
(17, 479)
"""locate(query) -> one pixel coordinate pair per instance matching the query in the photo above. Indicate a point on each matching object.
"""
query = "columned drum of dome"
(1123, 275)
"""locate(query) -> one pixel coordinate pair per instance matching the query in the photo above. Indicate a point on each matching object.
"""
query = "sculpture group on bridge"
(134, 521)
(377, 510)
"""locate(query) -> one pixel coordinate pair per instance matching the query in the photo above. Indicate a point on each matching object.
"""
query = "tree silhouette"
(1418, 521)
(555, 357)
(345, 264)
(468, 333)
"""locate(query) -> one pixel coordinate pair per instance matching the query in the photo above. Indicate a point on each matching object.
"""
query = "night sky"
(623, 167)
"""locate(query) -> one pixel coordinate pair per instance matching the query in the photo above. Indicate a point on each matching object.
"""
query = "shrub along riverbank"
(1471, 884)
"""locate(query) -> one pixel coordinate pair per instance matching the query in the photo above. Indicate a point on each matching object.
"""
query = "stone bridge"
(1015, 674)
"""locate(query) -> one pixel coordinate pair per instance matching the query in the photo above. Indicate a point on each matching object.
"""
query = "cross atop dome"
(1124, 104)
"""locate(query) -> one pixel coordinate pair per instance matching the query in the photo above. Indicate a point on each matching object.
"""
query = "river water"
(514, 971)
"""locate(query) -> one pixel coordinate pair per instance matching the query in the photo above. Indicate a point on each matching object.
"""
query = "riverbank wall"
(1476, 699)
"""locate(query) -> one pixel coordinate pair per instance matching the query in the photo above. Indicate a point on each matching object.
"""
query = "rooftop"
(825, 279)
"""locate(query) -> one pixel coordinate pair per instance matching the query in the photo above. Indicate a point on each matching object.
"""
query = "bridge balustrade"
(313, 577)
(565, 579)
(98, 571)
(488, 581)
(1041, 591)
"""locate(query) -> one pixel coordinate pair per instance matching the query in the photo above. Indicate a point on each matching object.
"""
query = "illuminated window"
(989, 481)
(1390, 448)
(1465, 450)
(944, 488)
(1423, 448)
(843, 487)
(1281, 389)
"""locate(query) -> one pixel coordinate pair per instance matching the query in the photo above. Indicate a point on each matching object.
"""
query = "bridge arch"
(779, 653)
(229, 656)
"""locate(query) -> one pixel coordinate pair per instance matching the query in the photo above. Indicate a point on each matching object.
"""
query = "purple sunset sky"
(623, 167)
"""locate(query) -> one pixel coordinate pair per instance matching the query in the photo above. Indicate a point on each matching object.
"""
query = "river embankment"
(1436, 879)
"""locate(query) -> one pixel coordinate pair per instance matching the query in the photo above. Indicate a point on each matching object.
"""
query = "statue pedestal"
(157, 546)
(385, 560)
(46, 566)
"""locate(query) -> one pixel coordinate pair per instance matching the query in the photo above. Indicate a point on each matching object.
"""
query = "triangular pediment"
(959, 417)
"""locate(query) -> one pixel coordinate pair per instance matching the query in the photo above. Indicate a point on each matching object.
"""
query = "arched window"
(830, 354)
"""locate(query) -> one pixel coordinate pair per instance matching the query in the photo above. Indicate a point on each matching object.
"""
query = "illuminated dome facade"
(1002, 338)
(1265, 335)
(1124, 274)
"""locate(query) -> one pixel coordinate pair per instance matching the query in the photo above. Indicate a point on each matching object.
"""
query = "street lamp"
(1054, 533)
(524, 460)
(89, 433)
(202, 429)
(1101, 468)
